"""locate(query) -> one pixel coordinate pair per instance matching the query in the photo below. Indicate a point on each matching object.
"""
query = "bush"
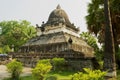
(42, 68)
(58, 63)
(44, 61)
(15, 68)
(89, 75)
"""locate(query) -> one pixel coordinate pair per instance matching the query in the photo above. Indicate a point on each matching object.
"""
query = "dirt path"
(4, 73)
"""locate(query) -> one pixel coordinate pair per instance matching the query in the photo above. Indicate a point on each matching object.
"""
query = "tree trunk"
(109, 53)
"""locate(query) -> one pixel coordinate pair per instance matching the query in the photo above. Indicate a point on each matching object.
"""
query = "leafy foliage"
(5, 49)
(15, 33)
(58, 63)
(15, 68)
(92, 41)
(44, 61)
(89, 75)
(42, 67)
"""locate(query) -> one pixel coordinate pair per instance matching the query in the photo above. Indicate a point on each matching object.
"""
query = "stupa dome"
(58, 15)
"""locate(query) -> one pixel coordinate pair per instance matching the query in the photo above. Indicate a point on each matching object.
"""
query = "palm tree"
(97, 25)
(109, 53)
(96, 21)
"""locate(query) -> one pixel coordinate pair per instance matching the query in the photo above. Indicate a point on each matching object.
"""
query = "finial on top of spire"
(58, 7)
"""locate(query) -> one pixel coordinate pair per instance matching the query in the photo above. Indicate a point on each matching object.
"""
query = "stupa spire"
(58, 7)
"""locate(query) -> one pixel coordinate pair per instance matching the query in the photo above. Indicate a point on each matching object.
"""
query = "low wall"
(75, 62)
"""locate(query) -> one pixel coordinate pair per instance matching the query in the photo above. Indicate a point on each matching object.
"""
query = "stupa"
(58, 37)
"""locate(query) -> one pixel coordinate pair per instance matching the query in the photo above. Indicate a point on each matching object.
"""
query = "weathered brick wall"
(79, 64)
(74, 64)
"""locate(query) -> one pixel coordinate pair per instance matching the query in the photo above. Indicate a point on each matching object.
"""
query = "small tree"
(42, 67)
(15, 68)
(92, 41)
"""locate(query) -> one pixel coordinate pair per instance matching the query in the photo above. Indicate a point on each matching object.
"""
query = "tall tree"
(96, 19)
(109, 53)
(15, 33)
(96, 24)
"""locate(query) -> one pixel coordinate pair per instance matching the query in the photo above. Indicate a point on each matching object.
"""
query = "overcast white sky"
(36, 11)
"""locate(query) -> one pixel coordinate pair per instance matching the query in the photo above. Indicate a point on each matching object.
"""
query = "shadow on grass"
(62, 73)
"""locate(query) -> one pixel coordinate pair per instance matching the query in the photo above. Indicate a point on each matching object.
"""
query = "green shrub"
(42, 68)
(89, 75)
(58, 63)
(44, 61)
(15, 68)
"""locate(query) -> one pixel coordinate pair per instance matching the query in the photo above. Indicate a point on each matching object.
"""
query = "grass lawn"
(65, 75)
(61, 75)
